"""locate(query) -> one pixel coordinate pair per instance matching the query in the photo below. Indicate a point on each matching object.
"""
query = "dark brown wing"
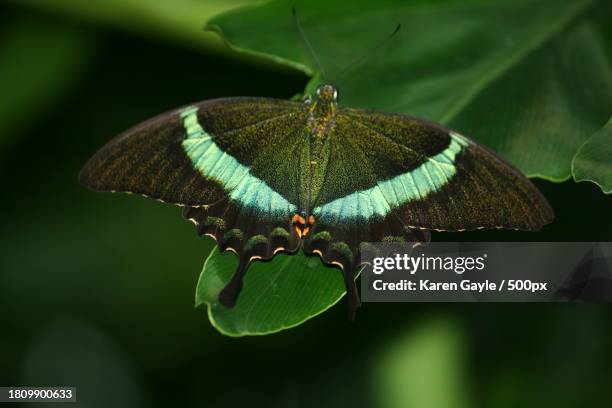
(150, 159)
(226, 162)
(428, 176)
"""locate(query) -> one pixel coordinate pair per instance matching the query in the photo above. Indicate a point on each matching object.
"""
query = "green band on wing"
(379, 200)
(214, 163)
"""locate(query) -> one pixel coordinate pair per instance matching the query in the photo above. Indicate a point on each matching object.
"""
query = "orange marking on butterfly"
(302, 226)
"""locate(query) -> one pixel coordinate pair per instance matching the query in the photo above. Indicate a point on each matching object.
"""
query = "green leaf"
(39, 61)
(593, 162)
(530, 79)
(423, 368)
(547, 106)
(276, 295)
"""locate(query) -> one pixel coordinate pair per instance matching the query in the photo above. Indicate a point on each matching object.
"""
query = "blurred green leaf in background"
(424, 367)
(39, 62)
(180, 21)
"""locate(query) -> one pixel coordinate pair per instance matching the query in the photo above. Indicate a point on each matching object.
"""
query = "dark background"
(97, 290)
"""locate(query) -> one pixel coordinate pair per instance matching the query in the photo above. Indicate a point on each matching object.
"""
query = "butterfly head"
(327, 93)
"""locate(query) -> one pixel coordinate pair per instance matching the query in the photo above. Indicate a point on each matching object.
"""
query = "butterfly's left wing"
(231, 163)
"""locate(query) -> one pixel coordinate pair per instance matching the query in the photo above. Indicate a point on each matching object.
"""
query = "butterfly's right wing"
(426, 176)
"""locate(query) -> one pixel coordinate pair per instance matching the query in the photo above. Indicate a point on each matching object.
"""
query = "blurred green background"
(97, 291)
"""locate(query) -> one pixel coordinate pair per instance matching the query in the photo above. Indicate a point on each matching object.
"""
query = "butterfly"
(263, 176)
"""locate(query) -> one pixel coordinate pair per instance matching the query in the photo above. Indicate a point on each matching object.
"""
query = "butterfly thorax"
(321, 117)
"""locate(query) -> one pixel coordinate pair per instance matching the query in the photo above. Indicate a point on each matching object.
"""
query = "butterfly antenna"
(306, 43)
(369, 54)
